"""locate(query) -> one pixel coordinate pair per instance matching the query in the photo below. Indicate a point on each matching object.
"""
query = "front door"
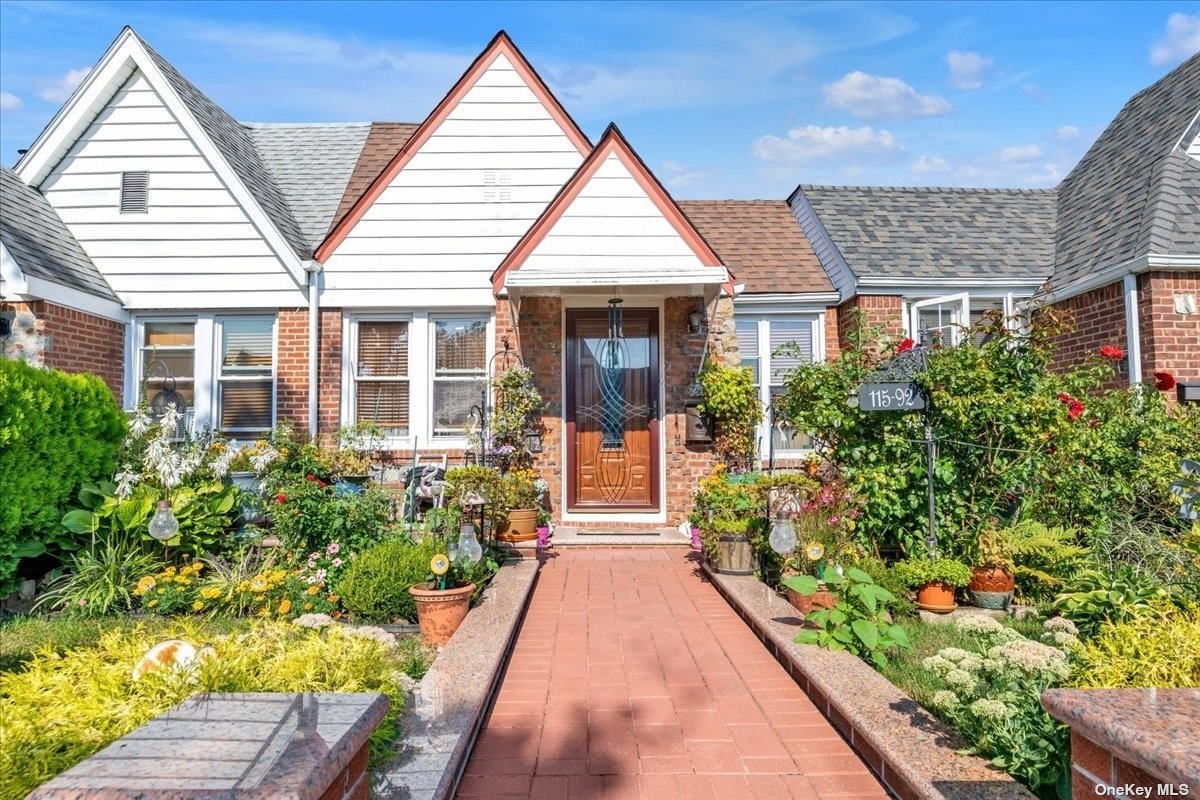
(612, 407)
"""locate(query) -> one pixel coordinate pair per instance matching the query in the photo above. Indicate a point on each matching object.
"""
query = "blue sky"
(721, 100)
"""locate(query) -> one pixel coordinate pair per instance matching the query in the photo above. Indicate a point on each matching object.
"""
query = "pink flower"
(337, 562)
(334, 547)
(835, 520)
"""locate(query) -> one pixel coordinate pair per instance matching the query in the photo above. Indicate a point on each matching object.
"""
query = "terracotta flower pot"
(991, 579)
(807, 603)
(937, 597)
(440, 612)
(521, 525)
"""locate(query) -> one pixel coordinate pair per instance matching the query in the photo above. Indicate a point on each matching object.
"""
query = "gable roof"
(939, 233)
(761, 242)
(39, 241)
(383, 142)
(500, 45)
(1131, 193)
(612, 143)
(311, 165)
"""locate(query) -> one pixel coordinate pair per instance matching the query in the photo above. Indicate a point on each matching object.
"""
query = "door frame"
(656, 511)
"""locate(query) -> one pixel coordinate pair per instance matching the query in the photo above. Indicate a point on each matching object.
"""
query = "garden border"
(912, 753)
(445, 711)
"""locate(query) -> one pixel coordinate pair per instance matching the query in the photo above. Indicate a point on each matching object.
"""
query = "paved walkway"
(632, 678)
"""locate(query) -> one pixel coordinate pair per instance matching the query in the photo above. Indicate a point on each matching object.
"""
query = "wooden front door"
(612, 407)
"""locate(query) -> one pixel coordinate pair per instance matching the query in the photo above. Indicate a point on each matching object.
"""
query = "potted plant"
(729, 395)
(934, 581)
(727, 506)
(521, 501)
(443, 600)
(356, 443)
(518, 406)
(993, 579)
(473, 486)
(808, 592)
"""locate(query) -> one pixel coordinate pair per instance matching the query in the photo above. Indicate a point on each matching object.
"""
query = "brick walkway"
(632, 677)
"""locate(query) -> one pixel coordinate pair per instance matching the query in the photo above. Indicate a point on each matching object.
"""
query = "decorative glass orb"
(783, 536)
(163, 525)
(468, 543)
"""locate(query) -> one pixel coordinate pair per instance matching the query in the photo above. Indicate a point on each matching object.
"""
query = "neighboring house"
(1116, 244)
(329, 274)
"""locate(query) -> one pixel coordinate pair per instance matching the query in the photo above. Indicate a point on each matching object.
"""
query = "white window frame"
(1010, 303)
(764, 320)
(206, 363)
(218, 378)
(960, 317)
(350, 377)
(433, 319)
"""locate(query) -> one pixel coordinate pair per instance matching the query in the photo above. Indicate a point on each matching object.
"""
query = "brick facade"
(292, 369)
(1170, 340)
(79, 342)
(1093, 319)
(868, 310)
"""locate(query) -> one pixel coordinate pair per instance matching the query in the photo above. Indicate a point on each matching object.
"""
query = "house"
(329, 274)
(1116, 245)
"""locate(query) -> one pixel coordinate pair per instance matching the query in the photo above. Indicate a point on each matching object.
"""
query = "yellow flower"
(266, 612)
(144, 585)
(210, 593)
(439, 564)
(197, 566)
(197, 606)
(312, 590)
(168, 572)
(258, 584)
(285, 606)
(333, 598)
(814, 551)
(308, 606)
(152, 604)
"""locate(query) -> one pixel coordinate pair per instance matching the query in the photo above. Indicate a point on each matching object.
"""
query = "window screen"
(459, 373)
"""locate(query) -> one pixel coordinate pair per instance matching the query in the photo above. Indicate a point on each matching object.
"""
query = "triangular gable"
(500, 46)
(614, 154)
(124, 56)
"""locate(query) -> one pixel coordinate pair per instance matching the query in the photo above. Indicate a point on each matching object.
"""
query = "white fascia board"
(879, 285)
(703, 276)
(800, 302)
(118, 62)
(1117, 272)
(70, 297)
(12, 277)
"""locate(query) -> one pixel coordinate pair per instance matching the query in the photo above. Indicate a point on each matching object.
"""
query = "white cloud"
(1066, 133)
(1181, 40)
(9, 101)
(61, 89)
(677, 175)
(813, 143)
(931, 165)
(1035, 91)
(876, 97)
(967, 70)
(1021, 153)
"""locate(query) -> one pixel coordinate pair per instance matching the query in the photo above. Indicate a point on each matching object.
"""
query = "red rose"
(905, 346)
(1063, 397)
(310, 477)
(280, 499)
(1075, 409)
(1164, 381)
(1112, 351)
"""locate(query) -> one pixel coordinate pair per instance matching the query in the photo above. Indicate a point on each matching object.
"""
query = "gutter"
(313, 271)
(1136, 266)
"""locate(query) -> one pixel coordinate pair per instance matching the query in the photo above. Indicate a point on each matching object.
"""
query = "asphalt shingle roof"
(382, 144)
(761, 243)
(1126, 196)
(39, 240)
(939, 233)
(311, 165)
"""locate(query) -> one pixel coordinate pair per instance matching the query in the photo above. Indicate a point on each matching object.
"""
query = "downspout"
(313, 270)
(1133, 337)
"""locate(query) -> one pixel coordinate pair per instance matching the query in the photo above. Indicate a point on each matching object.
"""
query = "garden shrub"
(1159, 649)
(310, 513)
(375, 586)
(60, 710)
(56, 432)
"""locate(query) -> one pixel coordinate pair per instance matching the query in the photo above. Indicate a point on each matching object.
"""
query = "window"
(135, 192)
(168, 365)
(772, 347)
(381, 376)
(459, 373)
(246, 382)
(942, 320)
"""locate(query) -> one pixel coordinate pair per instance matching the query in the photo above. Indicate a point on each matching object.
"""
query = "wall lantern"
(696, 322)
(533, 435)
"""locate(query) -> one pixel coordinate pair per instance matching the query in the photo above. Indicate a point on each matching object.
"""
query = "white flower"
(371, 632)
(1032, 658)
(1061, 639)
(170, 420)
(987, 708)
(1061, 624)
(945, 699)
(978, 624)
(126, 480)
(141, 422)
(960, 679)
(954, 654)
(315, 621)
(263, 458)
(937, 664)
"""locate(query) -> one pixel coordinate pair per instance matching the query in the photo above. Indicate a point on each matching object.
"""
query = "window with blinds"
(246, 380)
(747, 339)
(168, 362)
(135, 192)
(381, 376)
(790, 343)
(772, 347)
(459, 373)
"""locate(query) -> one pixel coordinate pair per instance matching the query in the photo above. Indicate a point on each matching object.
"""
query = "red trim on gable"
(500, 44)
(612, 142)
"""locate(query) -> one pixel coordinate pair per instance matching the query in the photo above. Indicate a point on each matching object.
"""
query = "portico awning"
(689, 281)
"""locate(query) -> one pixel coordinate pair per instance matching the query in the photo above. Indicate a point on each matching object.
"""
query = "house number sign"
(905, 396)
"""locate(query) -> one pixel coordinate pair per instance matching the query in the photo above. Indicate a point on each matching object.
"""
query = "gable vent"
(135, 192)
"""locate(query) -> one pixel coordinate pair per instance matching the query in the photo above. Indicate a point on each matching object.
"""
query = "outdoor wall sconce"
(696, 322)
(533, 435)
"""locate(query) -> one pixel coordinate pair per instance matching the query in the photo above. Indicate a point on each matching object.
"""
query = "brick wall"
(292, 370)
(1093, 319)
(885, 310)
(833, 341)
(1170, 341)
(1095, 772)
(80, 342)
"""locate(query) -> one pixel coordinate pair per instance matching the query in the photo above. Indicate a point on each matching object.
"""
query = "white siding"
(195, 246)
(611, 225)
(450, 216)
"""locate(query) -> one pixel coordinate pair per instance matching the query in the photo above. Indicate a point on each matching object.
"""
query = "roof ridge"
(301, 124)
(948, 189)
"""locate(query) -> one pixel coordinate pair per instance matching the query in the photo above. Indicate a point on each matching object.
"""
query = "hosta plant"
(860, 623)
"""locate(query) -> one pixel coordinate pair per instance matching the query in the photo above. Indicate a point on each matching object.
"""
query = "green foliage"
(860, 622)
(205, 511)
(1160, 648)
(917, 572)
(518, 489)
(60, 710)
(375, 586)
(885, 576)
(1044, 558)
(1066, 448)
(467, 485)
(100, 579)
(1095, 597)
(728, 395)
(517, 405)
(1152, 550)
(310, 514)
(57, 431)
(725, 505)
